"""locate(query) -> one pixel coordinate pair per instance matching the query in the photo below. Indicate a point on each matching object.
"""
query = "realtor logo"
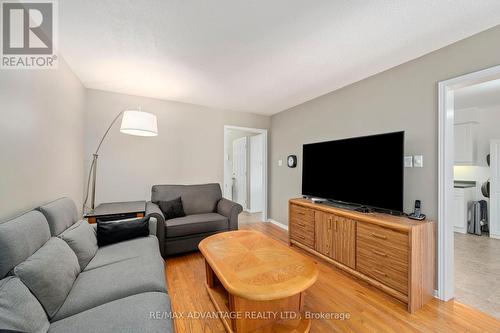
(28, 34)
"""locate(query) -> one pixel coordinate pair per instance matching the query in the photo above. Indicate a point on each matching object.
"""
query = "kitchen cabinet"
(461, 199)
(465, 144)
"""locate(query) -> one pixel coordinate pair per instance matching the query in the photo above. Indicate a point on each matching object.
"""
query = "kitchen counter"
(464, 184)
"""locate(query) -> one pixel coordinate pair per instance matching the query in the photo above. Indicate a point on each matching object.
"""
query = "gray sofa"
(43, 287)
(206, 211)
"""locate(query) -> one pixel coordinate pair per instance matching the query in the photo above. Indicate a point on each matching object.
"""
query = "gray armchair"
(207, 213)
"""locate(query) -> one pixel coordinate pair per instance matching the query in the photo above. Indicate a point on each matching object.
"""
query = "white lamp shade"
(139, 123)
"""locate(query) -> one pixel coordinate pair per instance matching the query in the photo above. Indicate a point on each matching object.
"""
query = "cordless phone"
(417, 215)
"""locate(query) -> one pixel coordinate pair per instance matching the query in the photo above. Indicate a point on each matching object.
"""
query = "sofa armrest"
(157, 223)
(231, 210)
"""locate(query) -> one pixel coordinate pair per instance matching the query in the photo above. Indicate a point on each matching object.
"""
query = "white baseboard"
(494, 236)
(279, 224)
(459, 230)
(435, 294)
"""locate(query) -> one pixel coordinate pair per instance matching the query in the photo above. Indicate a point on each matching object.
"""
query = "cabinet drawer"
(306, 226)
(388, 240)
(306, 239)
(384, 272)
(301, 213)
(397, 262)
(302, 235)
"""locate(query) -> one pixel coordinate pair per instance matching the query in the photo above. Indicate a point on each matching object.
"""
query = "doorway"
(245, 170)
(468, 261)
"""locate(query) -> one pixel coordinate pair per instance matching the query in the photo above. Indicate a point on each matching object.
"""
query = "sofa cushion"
(49, 273)
(196, 199)
(145, 312)
(134, 248)
(19, 310)
(81, 238)
(20, 238)
(196, 224)
(111, 282)
(110, 232)
(172, 209)
(61, 214)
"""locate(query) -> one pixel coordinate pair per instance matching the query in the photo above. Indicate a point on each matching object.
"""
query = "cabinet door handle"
(380, 273)
(379, 236)
(380, 253)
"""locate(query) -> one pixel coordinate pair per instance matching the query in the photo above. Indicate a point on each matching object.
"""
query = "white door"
(240, 171)
(495, 188)
(256, 173)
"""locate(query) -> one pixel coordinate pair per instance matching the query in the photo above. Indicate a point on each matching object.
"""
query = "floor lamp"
(134, 122)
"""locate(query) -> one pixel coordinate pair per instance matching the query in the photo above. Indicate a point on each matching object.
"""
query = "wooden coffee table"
(256, 282)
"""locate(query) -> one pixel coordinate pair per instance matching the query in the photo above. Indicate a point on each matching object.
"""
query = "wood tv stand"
(392, 253)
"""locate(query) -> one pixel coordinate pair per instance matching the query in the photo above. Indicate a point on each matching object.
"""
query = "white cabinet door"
(459, 217)
(464, 144)
(461, 199)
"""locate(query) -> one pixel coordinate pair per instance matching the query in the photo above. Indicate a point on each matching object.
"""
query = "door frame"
(446, 273)
(494, 183)
(264, 160)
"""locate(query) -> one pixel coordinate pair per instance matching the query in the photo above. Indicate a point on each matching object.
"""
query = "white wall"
(188, 150)
(41, 138)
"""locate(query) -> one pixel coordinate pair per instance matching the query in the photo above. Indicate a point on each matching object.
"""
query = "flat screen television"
(365, 171)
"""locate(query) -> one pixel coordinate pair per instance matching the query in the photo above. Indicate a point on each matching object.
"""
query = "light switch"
(408, 161)
(418, 161)
(280, 162)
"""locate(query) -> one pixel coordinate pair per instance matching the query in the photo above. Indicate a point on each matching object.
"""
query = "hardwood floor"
(368, 309)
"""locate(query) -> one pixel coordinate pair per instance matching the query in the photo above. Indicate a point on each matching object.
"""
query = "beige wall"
(402, 98)
(41, 138)
(188, 150)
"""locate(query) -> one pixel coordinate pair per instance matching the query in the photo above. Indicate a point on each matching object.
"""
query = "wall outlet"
(418, 161)
(280, 162)
(408, 161)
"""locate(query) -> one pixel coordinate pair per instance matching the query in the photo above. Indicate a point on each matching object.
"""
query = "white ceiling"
(482, 95)
(260, 56)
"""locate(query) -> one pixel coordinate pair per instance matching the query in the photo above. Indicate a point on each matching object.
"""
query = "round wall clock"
(292, 161)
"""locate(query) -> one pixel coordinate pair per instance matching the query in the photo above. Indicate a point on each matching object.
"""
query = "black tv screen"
(367, 171)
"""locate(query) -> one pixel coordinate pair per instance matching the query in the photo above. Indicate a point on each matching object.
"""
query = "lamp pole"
(94, 173)
(93, 166)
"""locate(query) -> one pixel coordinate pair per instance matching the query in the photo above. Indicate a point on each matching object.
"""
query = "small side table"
(114, 211)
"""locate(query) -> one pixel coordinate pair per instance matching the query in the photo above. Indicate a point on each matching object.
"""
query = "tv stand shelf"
(392, 253)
